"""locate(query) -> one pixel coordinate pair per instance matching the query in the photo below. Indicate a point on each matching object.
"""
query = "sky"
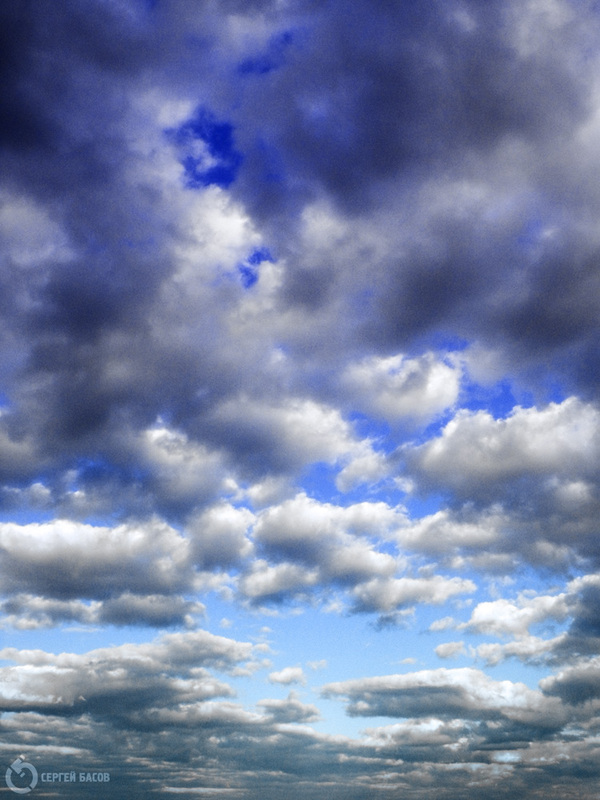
(299, 411)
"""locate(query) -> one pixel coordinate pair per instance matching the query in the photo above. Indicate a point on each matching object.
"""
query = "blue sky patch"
(249, 269)
(206, 151)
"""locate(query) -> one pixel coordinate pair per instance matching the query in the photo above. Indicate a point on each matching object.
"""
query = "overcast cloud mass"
(299, 398)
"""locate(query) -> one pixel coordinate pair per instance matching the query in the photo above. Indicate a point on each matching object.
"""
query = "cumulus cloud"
(28, 612)
(291, 709)
(459, 693)
(247, 249)
(381, 594)
(288, 675)
(398, 387)
(476, 456)
(503, 617)
(64, 559)
(292, 434)
(306, 546)
(450, 649)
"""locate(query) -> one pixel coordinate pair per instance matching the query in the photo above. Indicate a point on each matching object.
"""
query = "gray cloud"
(290, 710)
(100, 327)
(229, 231)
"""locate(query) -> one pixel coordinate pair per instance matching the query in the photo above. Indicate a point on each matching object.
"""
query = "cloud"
(450, 649)
(305, 547)
(389, 594)
(27, 612)
(578, 684)
(448, 533)
(292, 434)
(399, 387)
(247, 249)
(447, 694)
(124, 681)
(337, 539)
(476, 456)
(288, 675)
(64, 559)
(219, 536)
(291, 709)
(264, 582)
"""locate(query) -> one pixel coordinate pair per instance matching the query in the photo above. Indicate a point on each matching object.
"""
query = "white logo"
(19, 768)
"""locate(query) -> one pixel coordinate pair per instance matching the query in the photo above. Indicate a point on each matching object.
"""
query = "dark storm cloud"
(388, 88)
(576, 685)
(384, 110)
(438, 97)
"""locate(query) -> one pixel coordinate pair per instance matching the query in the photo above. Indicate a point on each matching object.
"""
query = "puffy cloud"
(505, 617)
(520, 488)
(476, 456)
(65, 560)
(288, 675)
(263, 582)
(291, 709)
(221, 225)
(398, 387)
(528, 649)
(450, 649)
(447, 533)
(334, 538)
(219, 536)
(292, 434)
(307, 546)
(184, 473)
(389, 594)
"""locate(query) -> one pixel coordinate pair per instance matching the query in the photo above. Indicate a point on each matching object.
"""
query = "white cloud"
(109, 681)
(183, 471)
(30, 612)
(450, 649)
(529, 649)
(396, 387)
(282, 580)
(291, 709)
(445, 532)
(504, 617)
(332, 538)
(443, 624)
(475, 453)
(219, 536)
(388, 594)
(65, 559)
(300, 432)
(288, 675)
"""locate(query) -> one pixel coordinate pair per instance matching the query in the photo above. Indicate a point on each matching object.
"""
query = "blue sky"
(299, 417)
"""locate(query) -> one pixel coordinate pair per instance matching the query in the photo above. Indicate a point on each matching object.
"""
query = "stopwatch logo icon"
(19, 768)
